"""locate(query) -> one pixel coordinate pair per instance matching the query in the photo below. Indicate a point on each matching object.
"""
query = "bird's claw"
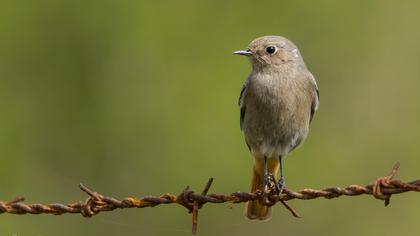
(266, 182)
(281, 185)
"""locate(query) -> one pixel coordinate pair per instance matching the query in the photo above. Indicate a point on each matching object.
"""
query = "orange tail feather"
(255, 210)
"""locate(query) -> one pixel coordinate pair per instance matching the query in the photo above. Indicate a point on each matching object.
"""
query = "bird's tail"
(255, 210)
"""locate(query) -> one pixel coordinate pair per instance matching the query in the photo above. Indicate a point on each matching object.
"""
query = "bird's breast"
(277, 114)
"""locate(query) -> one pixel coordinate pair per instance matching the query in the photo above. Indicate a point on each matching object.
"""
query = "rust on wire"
(95, 203)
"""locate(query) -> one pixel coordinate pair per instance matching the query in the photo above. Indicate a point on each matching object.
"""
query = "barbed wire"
(95, 203)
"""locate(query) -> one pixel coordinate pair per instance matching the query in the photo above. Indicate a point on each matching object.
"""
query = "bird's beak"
(243, 52)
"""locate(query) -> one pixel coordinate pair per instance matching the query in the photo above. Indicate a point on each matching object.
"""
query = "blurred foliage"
(140, 97)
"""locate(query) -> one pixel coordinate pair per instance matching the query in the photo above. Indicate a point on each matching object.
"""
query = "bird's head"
(271, 51)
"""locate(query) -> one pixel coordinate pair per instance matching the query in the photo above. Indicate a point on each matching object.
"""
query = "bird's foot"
(281, 185)
(266, 182)
(270, 185)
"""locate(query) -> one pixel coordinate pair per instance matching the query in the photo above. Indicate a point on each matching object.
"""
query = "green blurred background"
(140, 97)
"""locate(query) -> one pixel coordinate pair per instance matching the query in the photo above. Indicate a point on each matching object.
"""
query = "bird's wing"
(241, 103)
(315, 100)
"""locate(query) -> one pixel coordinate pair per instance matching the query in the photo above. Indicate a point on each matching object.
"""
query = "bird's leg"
(282, 182)
(265, 175)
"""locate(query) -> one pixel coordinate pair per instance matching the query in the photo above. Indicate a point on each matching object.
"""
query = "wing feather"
(241, 103)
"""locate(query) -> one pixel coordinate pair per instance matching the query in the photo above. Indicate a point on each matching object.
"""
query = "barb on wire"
(95, 203)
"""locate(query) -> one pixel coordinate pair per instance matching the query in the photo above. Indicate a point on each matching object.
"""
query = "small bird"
(277, 104)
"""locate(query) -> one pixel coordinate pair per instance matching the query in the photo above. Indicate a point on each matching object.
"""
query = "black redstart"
(277, 103)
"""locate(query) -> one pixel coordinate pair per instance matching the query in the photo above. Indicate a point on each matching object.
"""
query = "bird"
(277, 103)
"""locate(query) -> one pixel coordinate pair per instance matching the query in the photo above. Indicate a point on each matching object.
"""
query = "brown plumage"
(277, 103)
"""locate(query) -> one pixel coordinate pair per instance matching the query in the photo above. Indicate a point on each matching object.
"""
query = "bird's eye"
(270, 49)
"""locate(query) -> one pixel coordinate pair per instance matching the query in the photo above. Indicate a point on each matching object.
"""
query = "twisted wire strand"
(383, 188)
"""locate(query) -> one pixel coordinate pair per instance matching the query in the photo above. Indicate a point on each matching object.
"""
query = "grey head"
(271, 51)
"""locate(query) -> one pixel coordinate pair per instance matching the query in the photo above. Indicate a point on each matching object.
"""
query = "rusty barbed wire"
(95, 203)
